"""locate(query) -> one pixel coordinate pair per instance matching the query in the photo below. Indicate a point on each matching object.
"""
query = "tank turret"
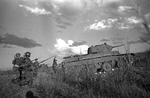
(104, 48)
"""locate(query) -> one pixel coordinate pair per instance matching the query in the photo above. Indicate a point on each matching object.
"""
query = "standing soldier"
(27, 61)
(54, 64)
(36, 65)
(18, 60)
(28, 68)
(28, 65)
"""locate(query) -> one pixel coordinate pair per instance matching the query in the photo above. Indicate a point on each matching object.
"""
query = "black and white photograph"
(74, 48)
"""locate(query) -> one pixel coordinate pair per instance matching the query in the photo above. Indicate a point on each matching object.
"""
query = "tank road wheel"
(107, 67)
(121, 64)
(98, 68)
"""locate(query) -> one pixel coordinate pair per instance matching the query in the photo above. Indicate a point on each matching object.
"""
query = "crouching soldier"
(18, 60)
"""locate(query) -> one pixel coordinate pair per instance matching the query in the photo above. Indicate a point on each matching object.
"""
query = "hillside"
(131, 82)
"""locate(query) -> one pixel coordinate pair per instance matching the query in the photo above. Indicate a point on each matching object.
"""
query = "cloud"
(78, 43)
(36, 10)
(63, 22)
(67, 12)
(61, 14)
(134, 20)
(125, 8)
(110, 20)
(97, 26)
(102, 24)
(14, 40)
(69, 47)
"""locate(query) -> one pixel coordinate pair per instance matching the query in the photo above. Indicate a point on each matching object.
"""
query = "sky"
(61, 28)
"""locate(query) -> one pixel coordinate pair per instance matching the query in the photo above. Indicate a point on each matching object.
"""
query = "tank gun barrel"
(118, 46)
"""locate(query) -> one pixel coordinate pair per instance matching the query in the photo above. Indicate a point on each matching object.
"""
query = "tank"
(99, 59)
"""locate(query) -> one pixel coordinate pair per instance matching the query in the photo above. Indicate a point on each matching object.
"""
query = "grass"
(129, 82)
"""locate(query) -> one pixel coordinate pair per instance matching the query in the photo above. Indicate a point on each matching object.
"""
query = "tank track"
(97, 65)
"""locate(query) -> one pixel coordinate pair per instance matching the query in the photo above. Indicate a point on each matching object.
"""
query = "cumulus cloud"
(134, 20)
(69, 47)
(36, 10)
(110, 20)
(66, 12)
(101, 24)
(125, 8)
(10, 39)
(97, 26)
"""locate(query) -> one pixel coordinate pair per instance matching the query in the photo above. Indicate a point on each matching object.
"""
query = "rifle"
(35, 59)
(46, 59)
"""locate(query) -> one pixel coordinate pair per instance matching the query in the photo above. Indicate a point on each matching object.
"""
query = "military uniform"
(36, 65)
(54, 64)
(29, 71)
(17, 63)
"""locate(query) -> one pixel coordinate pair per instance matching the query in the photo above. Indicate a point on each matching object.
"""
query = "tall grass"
(129, 82)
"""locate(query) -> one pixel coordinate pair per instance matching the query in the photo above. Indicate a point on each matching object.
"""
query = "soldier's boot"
(20, 75)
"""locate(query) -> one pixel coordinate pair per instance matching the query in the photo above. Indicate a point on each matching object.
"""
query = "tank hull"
(95, 63)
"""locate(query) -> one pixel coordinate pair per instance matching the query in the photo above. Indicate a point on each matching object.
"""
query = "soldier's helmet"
(17, 55)
(27, 54)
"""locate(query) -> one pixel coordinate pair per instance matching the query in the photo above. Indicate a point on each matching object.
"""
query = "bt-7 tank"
(99, 58)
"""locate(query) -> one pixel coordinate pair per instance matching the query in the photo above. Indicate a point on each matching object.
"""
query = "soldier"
(27, 60)
(36, 63)
(18, 60)
(27, 67)
(54, 64)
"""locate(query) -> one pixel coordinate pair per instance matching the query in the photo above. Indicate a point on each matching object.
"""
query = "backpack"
(18, 61)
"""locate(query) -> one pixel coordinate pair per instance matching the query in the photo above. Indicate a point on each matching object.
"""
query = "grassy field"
(130, 82)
